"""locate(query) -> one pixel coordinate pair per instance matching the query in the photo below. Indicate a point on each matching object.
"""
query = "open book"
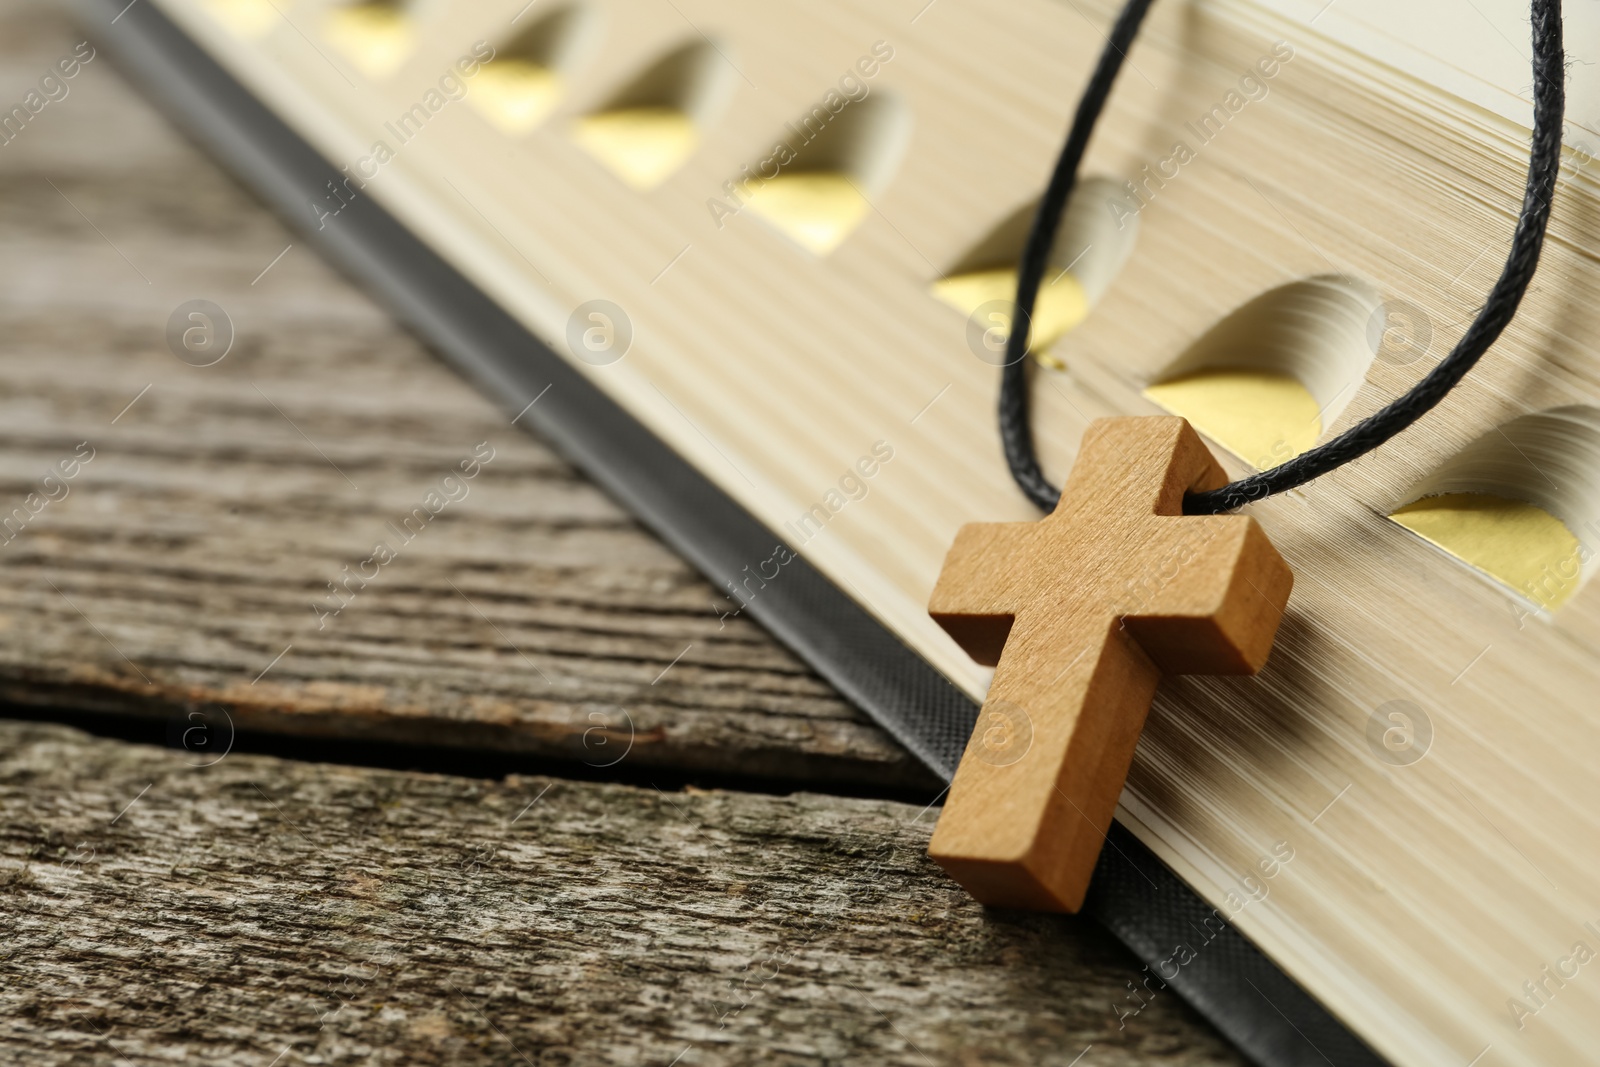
(782, 238)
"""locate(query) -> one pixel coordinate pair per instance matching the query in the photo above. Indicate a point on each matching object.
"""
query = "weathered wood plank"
(189, 553)
(158, 912)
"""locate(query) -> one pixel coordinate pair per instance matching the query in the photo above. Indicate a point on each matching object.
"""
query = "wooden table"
(660, 838)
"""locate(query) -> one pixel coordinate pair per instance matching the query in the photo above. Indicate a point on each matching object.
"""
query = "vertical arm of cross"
(1200, 594)
(1034, 794)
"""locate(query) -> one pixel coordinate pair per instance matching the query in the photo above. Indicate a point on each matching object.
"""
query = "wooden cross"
(1091, 606)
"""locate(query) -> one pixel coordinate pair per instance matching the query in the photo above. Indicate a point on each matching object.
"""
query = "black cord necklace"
(1549, 74)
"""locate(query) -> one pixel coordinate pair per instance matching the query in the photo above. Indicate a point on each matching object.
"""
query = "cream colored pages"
(1400, 809)
(1476, 50)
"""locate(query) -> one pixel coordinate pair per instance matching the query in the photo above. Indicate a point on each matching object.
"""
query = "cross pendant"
(1081, 613)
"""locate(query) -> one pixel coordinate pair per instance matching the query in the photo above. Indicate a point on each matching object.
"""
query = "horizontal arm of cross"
(984, 584)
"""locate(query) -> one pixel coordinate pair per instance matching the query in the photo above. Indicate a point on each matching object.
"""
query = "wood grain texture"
(1305, 166)
(531, 616)
(266, 912)
(153, 912)
(1092, 605)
